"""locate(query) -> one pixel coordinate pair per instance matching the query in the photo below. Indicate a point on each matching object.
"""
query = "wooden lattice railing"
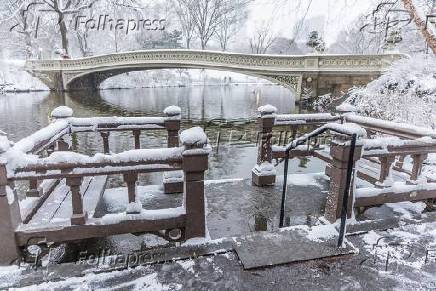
(46, 158)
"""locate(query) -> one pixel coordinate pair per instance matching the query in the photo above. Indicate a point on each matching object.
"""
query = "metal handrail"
(301, 140)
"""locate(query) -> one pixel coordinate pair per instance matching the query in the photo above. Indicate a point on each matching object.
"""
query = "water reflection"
(21, 114)
(203, 103)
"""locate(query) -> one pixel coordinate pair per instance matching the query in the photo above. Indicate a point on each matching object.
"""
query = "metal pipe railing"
(350, 168)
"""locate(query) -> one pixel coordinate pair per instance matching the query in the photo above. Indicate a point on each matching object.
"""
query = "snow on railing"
(347, 128)
(194, 141)
(66, 159)
(62, 124)
(396, 188)
(107, 122)
(289, 119)
(42, 138)
(393, 127)
(395, 145)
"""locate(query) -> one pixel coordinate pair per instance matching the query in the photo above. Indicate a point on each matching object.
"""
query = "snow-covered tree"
(405, 93)
(208, 16)
(261, 38)
(316, 42)
(171, 39)
(63, 8)
(231, 23)
(186, 19)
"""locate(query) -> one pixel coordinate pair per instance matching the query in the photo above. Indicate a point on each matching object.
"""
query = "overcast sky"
(336, 13)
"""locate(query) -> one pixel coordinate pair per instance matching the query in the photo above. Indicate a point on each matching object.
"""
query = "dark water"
(228, 110)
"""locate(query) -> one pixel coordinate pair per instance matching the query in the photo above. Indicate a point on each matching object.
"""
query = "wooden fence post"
(385, 167)
(131, 179)
(79, 216)
(418, 161)
(136, 135)
(172, 125)
(264, 173)
(173, 181)
(9, 217)
(338, 175)
(105, 136)
(195, 162)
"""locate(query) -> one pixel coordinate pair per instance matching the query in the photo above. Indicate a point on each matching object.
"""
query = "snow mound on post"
(347, 128)
(267, 109)
(193, 136)
(172, 110)
(265, 169)
(62, 112)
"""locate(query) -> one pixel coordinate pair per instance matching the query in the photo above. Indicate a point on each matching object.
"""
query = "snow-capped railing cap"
(346, 107)
(172, 111)
(61, 112)
(193, 137)
(267, 110)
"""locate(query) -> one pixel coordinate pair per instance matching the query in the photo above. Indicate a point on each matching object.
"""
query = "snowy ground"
(388, 260)
(398, 259)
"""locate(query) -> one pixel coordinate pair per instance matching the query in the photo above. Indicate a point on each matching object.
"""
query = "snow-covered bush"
(404, 93)
(14, 78)
(322, 103)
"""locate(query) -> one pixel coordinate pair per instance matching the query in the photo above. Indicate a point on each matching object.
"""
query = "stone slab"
(292, 244)
(378, 224)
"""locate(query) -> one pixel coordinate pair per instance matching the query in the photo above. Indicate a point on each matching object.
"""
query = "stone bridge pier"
(314, 85)
(305, 75)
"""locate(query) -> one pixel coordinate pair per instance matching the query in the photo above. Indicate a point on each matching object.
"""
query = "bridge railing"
(46, 156)
(322, 62)
(380, 157)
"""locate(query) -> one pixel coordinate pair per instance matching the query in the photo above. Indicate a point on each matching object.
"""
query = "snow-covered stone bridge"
(316, 74)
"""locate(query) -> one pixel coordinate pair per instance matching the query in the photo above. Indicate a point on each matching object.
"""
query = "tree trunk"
(63, 30)
(28, 41)
(429, 38)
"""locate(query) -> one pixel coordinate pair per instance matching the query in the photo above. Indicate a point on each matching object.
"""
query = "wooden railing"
(391, 145)
(377, 157)
(47, 156)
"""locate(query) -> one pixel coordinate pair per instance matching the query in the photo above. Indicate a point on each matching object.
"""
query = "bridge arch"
(320, 73)
(92, 79)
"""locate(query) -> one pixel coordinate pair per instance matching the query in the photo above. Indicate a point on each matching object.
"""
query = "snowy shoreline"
(145, 87)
